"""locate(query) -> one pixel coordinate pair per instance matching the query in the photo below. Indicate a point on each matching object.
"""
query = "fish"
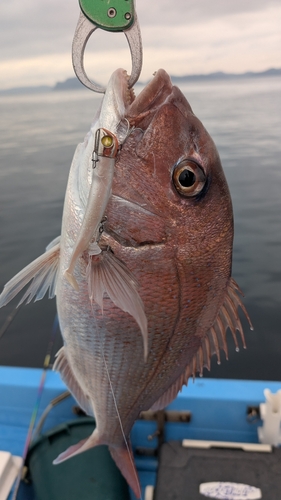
(152, 302)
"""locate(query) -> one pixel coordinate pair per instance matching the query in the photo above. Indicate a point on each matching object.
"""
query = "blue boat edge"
(220, 410)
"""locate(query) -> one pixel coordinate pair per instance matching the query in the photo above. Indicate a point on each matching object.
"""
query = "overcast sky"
(183, 37)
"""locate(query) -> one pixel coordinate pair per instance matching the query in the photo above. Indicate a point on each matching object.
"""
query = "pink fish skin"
(155, 304)
(177, 242)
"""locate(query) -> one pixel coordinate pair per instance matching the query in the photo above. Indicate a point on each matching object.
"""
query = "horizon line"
(218, 73)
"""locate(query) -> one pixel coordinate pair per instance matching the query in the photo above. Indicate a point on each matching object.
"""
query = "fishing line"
(37, 404)
(115, 402)
(9, 320)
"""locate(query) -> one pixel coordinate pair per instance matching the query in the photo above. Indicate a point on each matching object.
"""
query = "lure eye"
(107, 141)
(188, 178)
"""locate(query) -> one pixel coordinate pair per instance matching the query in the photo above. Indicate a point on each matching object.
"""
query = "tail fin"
(125, 462)
(123, 458)
(85, 444)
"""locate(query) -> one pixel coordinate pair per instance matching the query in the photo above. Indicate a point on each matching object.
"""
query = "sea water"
(38, 136)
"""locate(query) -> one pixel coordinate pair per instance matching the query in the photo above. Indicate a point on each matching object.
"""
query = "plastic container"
(92, 475)
(9, 469)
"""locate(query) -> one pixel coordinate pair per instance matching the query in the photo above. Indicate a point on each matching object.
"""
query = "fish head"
(169, 186)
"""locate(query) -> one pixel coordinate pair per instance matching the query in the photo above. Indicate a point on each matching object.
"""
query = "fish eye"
(188, 177)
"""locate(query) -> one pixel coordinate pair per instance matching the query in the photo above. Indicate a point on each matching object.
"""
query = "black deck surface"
(182, 470)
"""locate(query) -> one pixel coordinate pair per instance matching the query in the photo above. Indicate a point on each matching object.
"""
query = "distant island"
(74, 84)
(220, 75)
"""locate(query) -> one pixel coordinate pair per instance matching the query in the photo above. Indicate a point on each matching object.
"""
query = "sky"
(183, 37)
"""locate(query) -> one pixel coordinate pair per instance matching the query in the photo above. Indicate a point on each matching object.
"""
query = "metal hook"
(83, 31)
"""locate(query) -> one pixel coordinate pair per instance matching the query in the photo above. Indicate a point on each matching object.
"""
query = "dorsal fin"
(173, 390)
(228, 317)
(212, 343)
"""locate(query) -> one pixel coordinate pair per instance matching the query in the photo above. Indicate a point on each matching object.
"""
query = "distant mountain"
(74, 83)
(69, 84)
(220, 75)
(26, 90)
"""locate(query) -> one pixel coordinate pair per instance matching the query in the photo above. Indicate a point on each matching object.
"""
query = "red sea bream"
(142, 270)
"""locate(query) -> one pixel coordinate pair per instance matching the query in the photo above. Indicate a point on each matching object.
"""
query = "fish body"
(155, 303)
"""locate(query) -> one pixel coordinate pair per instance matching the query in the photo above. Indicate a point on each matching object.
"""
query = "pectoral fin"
(108, 274)
(43, 273)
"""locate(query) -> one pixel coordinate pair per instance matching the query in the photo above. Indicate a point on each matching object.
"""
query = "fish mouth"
(129, 109)
(132, 219)
(152, 96)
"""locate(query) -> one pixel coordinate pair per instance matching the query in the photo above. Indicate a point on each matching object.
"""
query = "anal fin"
(63, 367)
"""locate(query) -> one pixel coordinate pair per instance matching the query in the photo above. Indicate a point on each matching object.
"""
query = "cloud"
(36, 27)
(40, 70)
(233, 43)
(189, 36)
(191, 12)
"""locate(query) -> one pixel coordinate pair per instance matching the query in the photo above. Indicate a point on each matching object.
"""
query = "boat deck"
(218, 409)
